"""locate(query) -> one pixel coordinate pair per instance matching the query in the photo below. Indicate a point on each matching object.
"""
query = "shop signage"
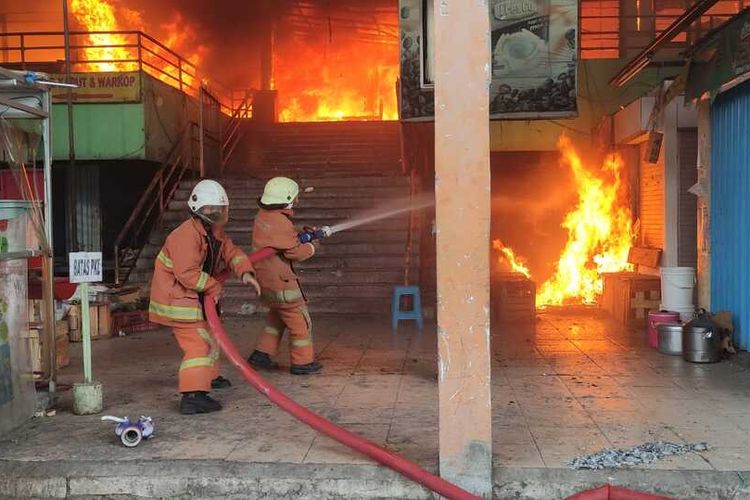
(85, 267)
(101, 87)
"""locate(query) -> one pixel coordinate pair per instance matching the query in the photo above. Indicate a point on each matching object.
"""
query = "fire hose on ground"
(320, 424)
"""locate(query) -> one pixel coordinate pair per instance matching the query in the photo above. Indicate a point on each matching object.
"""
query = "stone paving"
(573, 384)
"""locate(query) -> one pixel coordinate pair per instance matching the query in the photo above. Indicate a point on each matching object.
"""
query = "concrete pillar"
(704, 204)
(462, 195)
(266, 46)
(671, 148)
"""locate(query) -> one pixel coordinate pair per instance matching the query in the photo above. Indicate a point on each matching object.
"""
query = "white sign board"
(85, 267)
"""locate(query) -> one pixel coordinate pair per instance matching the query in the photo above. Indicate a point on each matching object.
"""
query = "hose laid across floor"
(343, 436)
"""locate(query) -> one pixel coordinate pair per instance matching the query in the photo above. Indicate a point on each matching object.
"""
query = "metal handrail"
(232, 134)
(157, 196)
(141, 52)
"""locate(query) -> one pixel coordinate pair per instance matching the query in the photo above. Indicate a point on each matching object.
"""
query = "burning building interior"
(538, 209)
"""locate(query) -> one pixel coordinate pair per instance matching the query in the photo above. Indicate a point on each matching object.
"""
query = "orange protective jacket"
(278, 282)
(179, 277)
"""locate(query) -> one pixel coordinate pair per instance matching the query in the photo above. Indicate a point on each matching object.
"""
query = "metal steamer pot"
(701, 344)
(670, 338)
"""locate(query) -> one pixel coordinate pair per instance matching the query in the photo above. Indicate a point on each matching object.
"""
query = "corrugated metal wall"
(687, 250)
(730, 208)
(651, 202)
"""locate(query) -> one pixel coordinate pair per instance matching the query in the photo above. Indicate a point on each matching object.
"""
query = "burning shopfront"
(579, 190)
(576, 181)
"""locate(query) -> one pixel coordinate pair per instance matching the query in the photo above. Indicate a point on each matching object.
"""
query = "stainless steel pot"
(701, 344)
(670, 338)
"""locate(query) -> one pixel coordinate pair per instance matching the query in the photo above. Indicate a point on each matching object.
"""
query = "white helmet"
(279, 191)
(207, 193)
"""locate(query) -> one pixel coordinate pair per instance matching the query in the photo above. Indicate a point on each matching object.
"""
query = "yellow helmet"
(279, 191)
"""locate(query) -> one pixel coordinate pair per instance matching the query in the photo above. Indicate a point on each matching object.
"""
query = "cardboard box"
(62, 348)
(35, 349)
(105, 320)
(62, 327)
(74, 319)
(62, 352)
(74, 322)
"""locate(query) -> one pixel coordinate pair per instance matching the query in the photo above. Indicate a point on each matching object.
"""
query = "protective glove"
(249, 279)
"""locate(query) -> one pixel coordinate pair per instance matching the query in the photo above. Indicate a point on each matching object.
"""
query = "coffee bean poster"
(534, 54)
(534, 58)
(417, 100)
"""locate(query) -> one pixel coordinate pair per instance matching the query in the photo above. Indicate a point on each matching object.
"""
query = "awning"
(720, 57)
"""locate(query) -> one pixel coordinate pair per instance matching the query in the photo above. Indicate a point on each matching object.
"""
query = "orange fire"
(331, 78)
(509, 259)
(98, 15)
(600, 231)
(107, 49)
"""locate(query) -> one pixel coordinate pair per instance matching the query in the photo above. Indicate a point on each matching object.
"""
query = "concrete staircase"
(322, 149)
(354, 271)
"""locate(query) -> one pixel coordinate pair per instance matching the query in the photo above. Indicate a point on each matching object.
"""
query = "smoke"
(226, 33)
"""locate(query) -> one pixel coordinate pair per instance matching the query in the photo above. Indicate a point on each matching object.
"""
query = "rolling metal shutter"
(651, 202)
(688, 216)
(730, 208)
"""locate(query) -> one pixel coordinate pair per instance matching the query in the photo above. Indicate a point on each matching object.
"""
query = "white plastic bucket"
(686, 312)
(677, 284)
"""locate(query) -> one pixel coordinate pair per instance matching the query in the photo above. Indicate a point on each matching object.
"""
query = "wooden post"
(201, 128)
(704, 204)
(670, 255)
(462, 196)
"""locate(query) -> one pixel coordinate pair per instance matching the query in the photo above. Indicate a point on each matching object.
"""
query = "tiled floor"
(572, 385)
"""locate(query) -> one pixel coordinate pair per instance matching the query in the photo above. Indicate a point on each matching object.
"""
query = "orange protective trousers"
(296, 319)
(200, 360)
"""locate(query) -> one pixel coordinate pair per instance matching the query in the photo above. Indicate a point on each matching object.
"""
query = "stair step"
(352, 168)
(331, 250)
(319, 182)
(236, 290)
(246, 208)
(342, 197)
(324, 263)
(359, 306)
(244, 218)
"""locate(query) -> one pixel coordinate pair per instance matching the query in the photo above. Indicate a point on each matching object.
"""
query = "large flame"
(114, 52)
(317, 85)
(337, 75)
(508, 259)
(98, 15)
(599, 232)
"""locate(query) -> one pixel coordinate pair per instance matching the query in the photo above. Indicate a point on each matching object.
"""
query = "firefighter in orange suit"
(280, 289)
(184, 273)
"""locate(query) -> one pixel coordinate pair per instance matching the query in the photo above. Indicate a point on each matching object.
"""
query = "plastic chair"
(415, 313)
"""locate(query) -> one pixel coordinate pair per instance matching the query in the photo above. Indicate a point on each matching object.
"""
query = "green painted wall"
(102, 131)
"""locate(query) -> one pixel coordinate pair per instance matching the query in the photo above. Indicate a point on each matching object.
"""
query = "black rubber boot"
(307, 369)
(262, 360)
(198, 402)
(220, 383)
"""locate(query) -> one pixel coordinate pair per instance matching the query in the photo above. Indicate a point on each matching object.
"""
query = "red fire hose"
(343, 436)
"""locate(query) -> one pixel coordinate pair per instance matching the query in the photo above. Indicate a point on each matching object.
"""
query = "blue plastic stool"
(415, 313)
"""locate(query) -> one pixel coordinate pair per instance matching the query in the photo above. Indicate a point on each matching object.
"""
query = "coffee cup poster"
(534, 52)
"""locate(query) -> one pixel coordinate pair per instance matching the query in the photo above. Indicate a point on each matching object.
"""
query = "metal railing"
(152, 205)
(110, 51)
(232, 133)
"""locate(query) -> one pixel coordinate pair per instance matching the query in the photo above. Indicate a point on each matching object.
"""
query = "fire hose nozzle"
(309, 235)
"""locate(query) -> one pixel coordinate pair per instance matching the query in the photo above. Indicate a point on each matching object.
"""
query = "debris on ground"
(643, 454)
